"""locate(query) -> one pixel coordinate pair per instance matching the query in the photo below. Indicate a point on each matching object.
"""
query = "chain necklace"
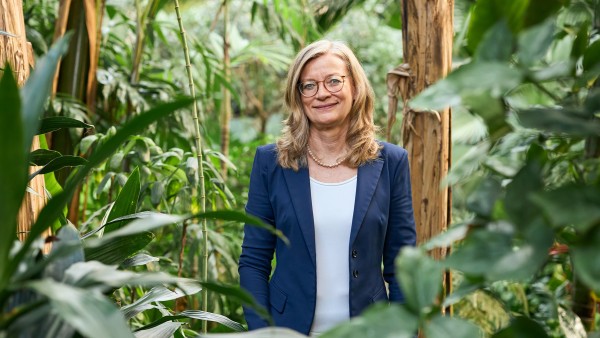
(317, 161)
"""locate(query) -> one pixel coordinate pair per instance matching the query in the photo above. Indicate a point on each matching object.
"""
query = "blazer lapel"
(368, 177)
(298, 184)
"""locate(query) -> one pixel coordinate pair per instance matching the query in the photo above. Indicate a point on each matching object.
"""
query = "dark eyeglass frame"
(300, 84)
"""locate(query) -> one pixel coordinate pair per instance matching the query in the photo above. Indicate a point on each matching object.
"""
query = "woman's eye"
(308, 86)
(335, 81)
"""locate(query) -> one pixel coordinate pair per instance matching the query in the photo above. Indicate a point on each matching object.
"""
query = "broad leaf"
(41, 157)
(442, 327)
(88, 312)
(13, 175)
(534, 42)
(37, 89)
(477, 78)
(483, 199)
(117, 250)
(569, 121)
(197, 314)
(50, 124)
(486, 13)
(235, 292)
(573, 204)
(156, 294)
(137, 260)
(447, 238)
(67, 236)
(165, 330)
(522, 327)
(59, 163)
(420, 278)
(95, 274)
(584, 255)
(379, 321)
(270, 332)
(497, 43)
(525, 183)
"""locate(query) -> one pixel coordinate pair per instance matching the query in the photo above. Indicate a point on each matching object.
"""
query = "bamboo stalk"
(226, 94)
(198, 140)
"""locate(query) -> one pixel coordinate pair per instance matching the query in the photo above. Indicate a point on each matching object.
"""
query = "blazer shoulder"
(266, 155)
(392, 152)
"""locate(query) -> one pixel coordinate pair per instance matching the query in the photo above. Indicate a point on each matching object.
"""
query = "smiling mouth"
(325, 106)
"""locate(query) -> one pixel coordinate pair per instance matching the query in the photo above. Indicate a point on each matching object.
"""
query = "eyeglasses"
(333, 84)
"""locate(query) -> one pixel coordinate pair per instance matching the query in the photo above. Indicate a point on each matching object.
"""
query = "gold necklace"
(317, 161)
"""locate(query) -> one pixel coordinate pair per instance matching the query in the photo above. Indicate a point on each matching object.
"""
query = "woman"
(341, 198)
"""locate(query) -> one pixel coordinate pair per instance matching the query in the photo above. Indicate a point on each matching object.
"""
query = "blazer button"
(354, 253)
(355, 273)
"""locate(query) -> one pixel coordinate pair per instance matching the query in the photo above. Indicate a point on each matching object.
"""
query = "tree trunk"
(427, 42)
(76, 75)
(18, 53)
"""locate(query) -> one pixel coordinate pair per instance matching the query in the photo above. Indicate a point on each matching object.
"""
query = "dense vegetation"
(125, 172)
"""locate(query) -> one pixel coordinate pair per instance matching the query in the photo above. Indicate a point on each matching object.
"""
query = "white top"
(333, 208)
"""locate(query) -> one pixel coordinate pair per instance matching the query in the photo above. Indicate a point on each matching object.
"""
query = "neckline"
(334, 183)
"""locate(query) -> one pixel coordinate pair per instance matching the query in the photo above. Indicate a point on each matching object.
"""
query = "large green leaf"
(591, 56)
(126, 202)
(116, 250)
(379, 321)
(483, 199)
(59, 163)
(50, 124)
(197, 314)
(147, 220)
(535, 41)
(497, 43)
(524, 184)
(237, 293)
(570, 121)
(447, 238)
(104, 277)
(522, 327)
(585, 253)
(67, 236)
(540, 10)
(476, 78)
(164, 330)
(41, 157)
(91, 313)
(270, 332)
(573, 204)
(54, 208)
(13, 175)
(486, 13)
(156, 294)
(420, 278)
(37, 89)
(442, 327)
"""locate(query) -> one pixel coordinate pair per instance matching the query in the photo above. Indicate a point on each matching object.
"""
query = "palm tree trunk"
(427, 43)
(15, 50)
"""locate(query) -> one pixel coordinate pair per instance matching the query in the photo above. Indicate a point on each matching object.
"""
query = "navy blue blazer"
(383, 222)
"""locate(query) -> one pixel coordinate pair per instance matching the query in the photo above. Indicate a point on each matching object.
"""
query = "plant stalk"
(201, 193)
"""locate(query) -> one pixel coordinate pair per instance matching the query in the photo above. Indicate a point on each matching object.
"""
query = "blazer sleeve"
(401, 223)
(259, 244)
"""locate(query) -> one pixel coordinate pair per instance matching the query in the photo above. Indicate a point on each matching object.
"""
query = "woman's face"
(325, 109)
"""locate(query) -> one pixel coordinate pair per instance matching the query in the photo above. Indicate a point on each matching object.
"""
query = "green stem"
(202, 193)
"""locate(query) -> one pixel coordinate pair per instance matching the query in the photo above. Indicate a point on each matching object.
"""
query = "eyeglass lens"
(333, 84)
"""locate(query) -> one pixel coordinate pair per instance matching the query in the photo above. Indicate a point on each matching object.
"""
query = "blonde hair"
(292, 144)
